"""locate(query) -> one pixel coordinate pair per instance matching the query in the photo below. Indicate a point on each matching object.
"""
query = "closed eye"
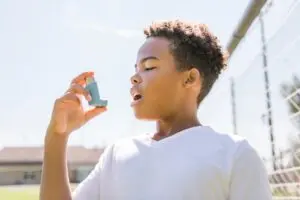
(149, 68)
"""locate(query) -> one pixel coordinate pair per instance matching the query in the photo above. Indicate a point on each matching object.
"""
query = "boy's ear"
(192, 78)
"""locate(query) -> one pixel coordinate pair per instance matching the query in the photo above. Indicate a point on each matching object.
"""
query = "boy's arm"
(249, 179)
(55, 180)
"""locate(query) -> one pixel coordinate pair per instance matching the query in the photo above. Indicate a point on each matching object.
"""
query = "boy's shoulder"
(231, 145)
(226, 140)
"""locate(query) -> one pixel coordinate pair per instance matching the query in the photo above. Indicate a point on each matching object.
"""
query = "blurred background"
(44, 44)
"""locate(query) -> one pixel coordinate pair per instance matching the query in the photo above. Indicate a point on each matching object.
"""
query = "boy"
(176, 68)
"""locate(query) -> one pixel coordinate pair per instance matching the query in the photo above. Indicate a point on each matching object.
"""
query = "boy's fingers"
(94, 112)
(79, 90)
(80, 79)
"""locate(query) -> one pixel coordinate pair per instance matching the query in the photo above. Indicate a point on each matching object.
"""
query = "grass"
(27, 192)
(19, 193)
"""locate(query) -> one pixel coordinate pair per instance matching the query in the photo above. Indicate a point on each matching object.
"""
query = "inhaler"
(92, 88)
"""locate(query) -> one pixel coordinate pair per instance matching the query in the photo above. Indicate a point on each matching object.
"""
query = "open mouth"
(137, 97)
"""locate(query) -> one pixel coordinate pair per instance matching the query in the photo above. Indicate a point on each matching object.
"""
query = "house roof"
(31, 155)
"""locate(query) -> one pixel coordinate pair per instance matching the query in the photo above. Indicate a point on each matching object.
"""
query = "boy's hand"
(68, 113)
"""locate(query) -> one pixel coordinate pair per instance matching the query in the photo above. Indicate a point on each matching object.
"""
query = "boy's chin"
(140, 115)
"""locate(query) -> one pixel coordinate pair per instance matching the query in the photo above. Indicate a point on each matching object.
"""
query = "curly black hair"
(192, 45)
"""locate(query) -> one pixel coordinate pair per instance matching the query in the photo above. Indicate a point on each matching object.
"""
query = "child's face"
(156, 85)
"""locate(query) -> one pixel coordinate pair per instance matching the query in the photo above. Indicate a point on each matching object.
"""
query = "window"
(29, 176)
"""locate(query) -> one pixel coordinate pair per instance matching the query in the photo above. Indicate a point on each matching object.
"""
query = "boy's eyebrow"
(147, 58)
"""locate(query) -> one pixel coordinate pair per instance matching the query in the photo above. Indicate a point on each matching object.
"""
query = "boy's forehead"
(153, 47)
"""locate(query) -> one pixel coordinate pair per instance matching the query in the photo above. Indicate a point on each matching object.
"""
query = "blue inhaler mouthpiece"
(92, 88)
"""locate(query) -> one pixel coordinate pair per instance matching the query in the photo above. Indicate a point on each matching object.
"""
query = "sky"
(44, 44)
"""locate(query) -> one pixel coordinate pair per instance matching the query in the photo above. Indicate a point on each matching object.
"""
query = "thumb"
(94, 112)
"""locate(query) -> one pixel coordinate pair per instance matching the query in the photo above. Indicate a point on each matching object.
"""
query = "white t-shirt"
(194, 164)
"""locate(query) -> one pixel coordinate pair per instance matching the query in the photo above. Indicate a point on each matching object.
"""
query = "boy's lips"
(136, 96)
(135, 102)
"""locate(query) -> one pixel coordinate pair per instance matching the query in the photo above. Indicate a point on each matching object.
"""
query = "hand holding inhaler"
(68, 113)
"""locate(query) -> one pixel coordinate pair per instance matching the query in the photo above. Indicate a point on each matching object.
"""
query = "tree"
(291, 93)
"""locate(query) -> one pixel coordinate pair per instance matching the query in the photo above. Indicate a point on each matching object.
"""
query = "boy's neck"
(166, 128)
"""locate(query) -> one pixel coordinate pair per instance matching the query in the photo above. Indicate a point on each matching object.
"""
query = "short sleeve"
(249, 179)
(89, 188)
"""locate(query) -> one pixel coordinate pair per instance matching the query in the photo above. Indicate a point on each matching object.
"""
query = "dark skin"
(168, 95)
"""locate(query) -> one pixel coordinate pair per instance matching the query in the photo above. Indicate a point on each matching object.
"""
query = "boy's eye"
(149, 68)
